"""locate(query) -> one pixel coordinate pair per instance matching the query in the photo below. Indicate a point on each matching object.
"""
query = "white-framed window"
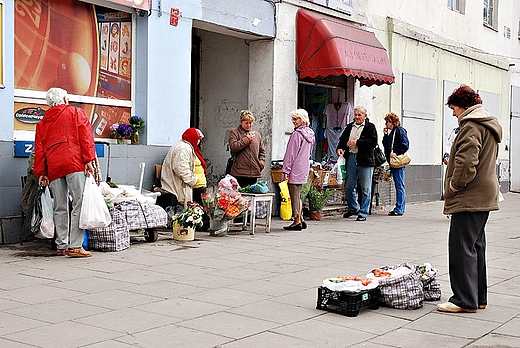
(457, 5)
(490, 13)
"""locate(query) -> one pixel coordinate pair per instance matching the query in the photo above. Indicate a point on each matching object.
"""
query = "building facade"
(199, 62)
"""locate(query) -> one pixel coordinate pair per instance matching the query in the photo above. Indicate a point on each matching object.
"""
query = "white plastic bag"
(341, 170)
(47, 224)
(94, 211)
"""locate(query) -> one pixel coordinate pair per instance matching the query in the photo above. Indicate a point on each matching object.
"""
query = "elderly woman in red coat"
(64, 154)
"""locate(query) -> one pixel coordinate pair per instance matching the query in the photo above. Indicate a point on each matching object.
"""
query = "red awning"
(329, 46)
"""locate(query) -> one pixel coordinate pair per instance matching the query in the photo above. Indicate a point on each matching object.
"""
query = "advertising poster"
(63, 43)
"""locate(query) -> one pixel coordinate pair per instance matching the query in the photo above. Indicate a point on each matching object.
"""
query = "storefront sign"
(140, 4)
(340, 5)
(23, 148)
(29, 115)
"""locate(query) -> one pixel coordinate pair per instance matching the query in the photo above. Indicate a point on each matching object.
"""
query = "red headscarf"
(192, 136)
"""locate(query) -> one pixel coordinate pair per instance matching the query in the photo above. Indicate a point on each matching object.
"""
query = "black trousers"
(467, 259)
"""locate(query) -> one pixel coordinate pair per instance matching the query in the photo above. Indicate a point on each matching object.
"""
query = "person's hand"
(392, 155)
(262, 165)
(385, 130)
(340, 152)
(89, 169)
(285, 176)
(43, 180)
(351, 143)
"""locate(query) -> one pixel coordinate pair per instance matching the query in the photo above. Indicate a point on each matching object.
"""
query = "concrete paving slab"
(128, 320)
(496, 340)
(229, 325)
(56, 311)
(324, 333)
(267, 283)
(463, 325)
(173, 336)
(271, 340)
(276, 312)
(51, 336)
(411, 338)
(182, 308)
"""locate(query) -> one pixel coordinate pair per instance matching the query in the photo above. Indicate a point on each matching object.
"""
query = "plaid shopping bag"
(402, 292)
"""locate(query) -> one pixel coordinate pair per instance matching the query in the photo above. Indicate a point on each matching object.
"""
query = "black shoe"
(348, 214)
(361, 218)
(393, 213)
(297, 227)
(304, 225)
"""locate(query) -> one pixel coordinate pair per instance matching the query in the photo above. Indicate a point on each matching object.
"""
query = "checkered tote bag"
(402, 292)
(431, 286)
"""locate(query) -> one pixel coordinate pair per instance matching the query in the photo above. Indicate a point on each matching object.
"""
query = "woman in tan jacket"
(470, 193)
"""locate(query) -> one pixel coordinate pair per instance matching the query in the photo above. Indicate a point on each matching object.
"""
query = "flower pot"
(218, 228)
(315, 215)
(120, 141)
(134, 138)
(183, 233)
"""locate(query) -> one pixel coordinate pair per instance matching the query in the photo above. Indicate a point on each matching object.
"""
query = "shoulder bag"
(379, 157)
(399, 160)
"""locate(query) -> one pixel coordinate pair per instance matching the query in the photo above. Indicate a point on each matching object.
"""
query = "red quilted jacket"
(63, 143)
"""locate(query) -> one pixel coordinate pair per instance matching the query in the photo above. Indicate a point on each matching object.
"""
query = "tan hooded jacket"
(471, 182)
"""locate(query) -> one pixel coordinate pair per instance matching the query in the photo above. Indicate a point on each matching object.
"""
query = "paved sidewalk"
(255, 291)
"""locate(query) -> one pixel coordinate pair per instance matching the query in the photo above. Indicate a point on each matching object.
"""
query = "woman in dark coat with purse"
(395, 142)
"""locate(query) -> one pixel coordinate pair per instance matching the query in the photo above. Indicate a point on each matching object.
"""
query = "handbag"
(379, 157)
(94, 211)
(399, 161)
(229, 164)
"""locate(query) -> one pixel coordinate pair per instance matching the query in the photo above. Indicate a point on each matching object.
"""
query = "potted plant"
(185, 223)
(317, 200)
(120, 131)
(137, 124)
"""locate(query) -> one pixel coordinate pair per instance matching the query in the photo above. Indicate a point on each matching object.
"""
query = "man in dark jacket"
(357, 144)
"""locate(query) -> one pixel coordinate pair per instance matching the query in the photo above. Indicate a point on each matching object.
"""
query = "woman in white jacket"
(184, 168)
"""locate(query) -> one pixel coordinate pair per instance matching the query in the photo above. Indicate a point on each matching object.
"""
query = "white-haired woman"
(64, 153)
(296, 164)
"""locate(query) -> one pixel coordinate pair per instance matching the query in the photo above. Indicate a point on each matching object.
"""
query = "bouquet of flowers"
(190, 217)
(136, 122)
(224, 205)
(121, 130)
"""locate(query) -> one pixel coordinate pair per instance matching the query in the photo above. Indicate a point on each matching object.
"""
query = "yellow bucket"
(183, 233)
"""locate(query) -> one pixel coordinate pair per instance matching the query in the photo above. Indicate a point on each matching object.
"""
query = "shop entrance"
(329, 113)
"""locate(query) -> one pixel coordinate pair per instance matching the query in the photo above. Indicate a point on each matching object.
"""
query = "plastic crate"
(345, 302)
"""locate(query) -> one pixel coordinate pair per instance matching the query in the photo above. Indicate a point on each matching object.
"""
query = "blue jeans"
(400, 191)
(364, 176)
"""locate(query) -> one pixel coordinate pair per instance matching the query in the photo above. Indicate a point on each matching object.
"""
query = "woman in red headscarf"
(183, 171)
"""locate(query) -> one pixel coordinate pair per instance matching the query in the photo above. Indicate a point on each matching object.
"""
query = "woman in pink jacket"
(296, 164)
